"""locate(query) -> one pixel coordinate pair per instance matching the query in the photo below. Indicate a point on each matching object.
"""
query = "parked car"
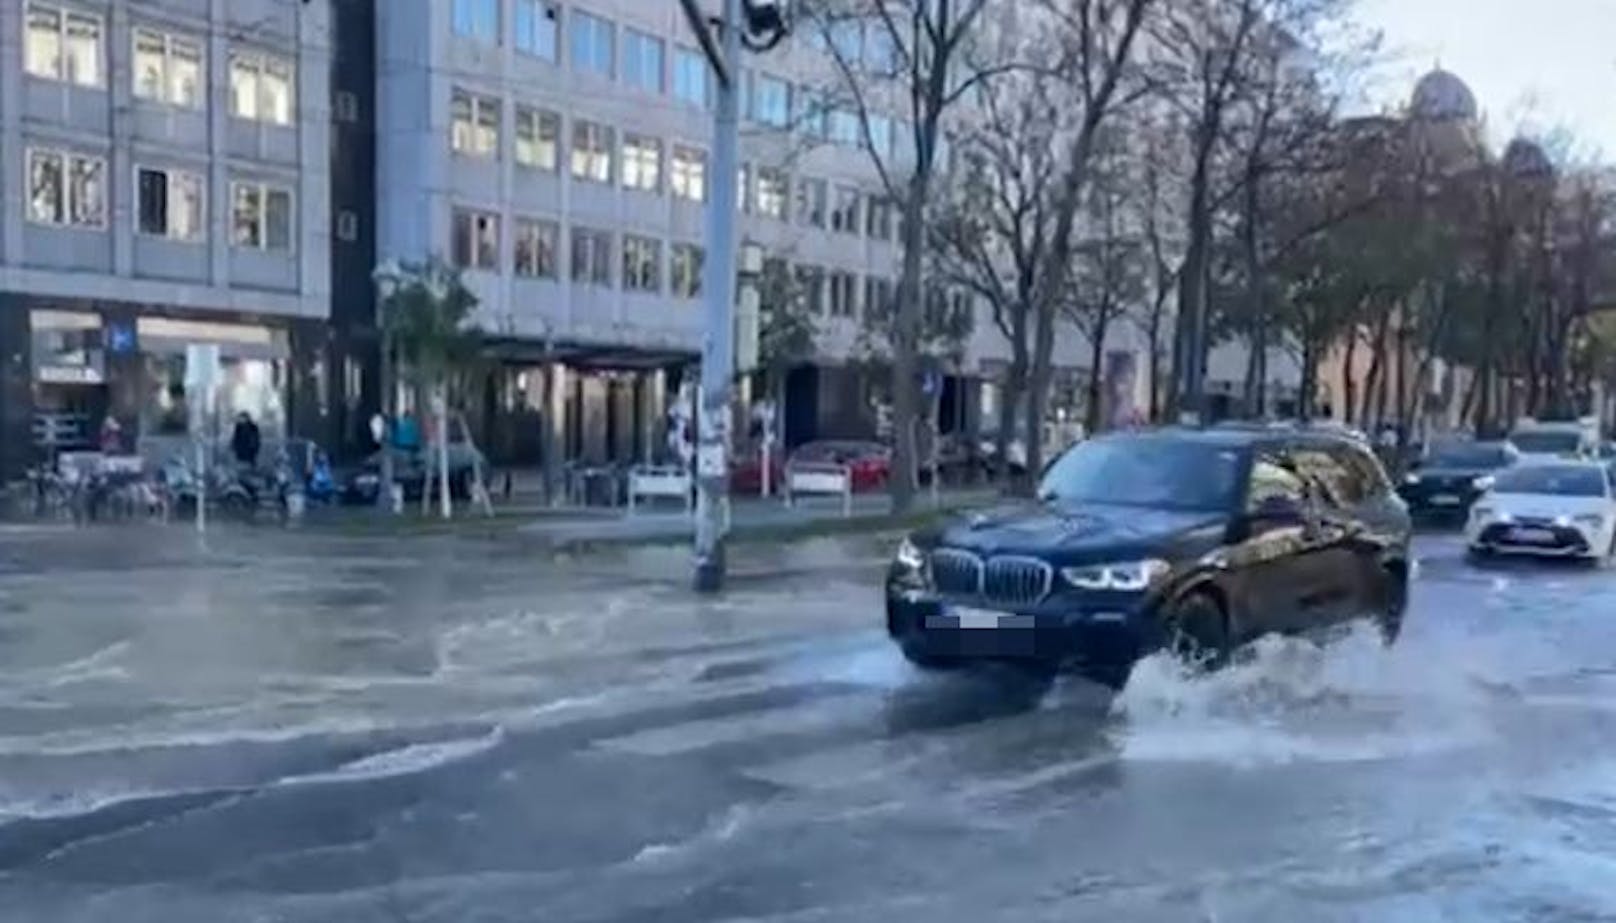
(1449, 479)
(1547, 509)
(362, 483)
(1551, 440)
(869, 463)
(1196, 541)
(746, 473)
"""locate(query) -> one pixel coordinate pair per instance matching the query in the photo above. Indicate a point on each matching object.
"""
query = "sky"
(1536, 66)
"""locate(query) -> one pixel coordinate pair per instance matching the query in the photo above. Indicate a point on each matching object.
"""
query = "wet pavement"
(285, 727)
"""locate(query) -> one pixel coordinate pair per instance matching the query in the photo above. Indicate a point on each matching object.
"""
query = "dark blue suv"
(1192, 540)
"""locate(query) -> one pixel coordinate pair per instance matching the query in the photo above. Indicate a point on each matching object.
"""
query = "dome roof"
(1440, 96)
(1525, 158)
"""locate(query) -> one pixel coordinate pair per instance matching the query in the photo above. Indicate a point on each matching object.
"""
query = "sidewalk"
(752, 516)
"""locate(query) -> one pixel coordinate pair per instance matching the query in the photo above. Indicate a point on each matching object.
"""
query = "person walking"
(246, 441)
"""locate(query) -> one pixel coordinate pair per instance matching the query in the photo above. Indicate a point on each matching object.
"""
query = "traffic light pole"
(718, 345)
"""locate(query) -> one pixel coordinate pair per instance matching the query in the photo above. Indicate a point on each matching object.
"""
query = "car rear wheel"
(1196, 631)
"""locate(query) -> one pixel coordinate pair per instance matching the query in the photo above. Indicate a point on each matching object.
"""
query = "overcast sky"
(1542, 64)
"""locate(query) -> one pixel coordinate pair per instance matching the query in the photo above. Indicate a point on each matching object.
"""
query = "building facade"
(166, 182)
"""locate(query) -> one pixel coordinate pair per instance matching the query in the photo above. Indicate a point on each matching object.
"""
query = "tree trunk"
(906, 348)
(1092, 418)
(1349, 390)
(1154, 337)
(1307, 389)
(1378, 370)
(1038, 391)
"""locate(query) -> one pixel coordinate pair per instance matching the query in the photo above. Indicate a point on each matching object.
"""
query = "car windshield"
(1468, 456)
(1558, 480)
(1176, 474)
(1546, 441)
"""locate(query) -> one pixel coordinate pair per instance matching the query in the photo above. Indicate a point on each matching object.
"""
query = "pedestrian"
(246, 441)
(111, 441)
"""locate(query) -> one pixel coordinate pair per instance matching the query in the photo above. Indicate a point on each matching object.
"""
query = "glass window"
(847, 39)
(63, 45)
(592, 151)
(685, 270)
(843, 127)
(846, 214)
(1479, 456)
(880, 52)
(880, 140)
(474, 124)
(1272, 478)
(47, 187)
(1145, 471)
(690, 77)
(261, 87)
(536, 243)
(771, 101)
(535, 28)
(877, 298)
(772, 190)
(811, 195)
(843, 294)
(170, 203)
(688, 177)
(538, 138)
(592, 257)
(67, 189)
(261, 216)
(167, 68)
(811, 112)
(478, 19)
(1547, 441)
(642, 162)
(811, 280)
(878, 214)
(642, 264)
(1555, 480)
(475, 243)
(642, 60)
(591, 44)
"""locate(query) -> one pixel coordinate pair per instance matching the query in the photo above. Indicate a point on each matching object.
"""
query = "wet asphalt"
(288, 727)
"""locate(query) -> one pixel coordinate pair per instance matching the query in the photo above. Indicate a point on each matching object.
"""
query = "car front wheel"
(1196, 631)
(1391, 603)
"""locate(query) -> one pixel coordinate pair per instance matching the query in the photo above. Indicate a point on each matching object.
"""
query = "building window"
(770, 197)
(642, 162)
(592, 151)
(811, 202)
(170, 203)
(642, 264)
(592, 257)
(63, 45)
(843, 126)
(591, 44)
(642, 60)
(843, 294)
(961, 311)
(538, 138)
(476, 239)
(878, 215)
(688, 177)
(536, 243)
(771, 101)
(846, 214)
(168, 68)
(474, 124)
(811, 280)
(684, 270)
(811, 112)
(261, 87)
(690, 76)
(846, 37)
(880, 135)
(67, 189)
(536, 28)
(348, 225)
(260, 216)
(478, 19)
(345, 106)
(877, 298)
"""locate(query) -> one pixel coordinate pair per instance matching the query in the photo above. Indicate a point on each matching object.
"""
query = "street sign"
(201, 367)
(120, 337)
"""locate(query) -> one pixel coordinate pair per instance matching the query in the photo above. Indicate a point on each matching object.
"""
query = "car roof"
(1591, 464)
(1238, 436)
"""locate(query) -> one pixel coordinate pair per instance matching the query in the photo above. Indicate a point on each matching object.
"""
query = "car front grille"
(1005, 581)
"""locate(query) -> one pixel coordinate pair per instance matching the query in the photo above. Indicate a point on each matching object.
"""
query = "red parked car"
(746, 474)
(869, 462)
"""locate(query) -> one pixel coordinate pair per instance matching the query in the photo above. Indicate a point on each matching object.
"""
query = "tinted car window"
(1164, 473)
(1334, 483)
(1562, 480)
(1469, 456)
(1546, 441)
(1269, 479)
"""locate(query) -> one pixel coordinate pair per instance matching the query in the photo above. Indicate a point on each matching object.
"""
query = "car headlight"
(1411, 479)
(910, 556)
(1485, 482)
(1130, 576)
(1590, 520)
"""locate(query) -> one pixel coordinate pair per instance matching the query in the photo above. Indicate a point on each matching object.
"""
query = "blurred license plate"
(1444, 500)
(977, 618)
(1535, 536)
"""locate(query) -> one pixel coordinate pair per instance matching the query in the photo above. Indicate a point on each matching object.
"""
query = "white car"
(1548, 509)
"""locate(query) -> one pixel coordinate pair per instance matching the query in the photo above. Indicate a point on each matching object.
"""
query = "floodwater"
(281, 727)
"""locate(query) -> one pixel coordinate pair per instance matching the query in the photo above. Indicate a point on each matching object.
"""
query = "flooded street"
(290, 728)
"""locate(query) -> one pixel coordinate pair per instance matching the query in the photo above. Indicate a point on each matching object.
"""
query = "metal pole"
(718, 347)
